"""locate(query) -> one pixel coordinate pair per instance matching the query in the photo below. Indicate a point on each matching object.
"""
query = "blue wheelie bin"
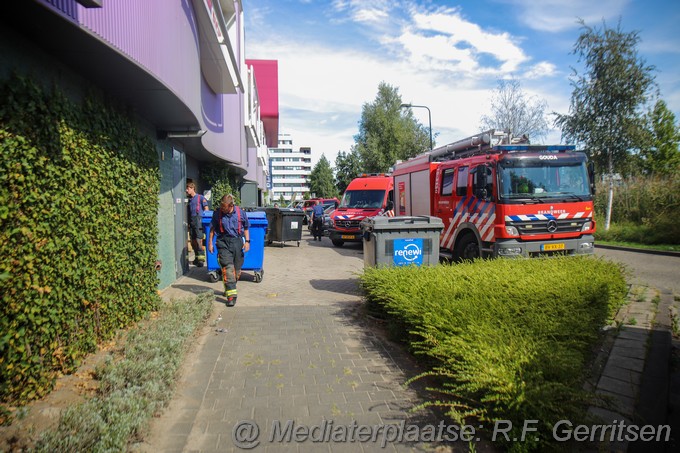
(253, 259)
(214, 269)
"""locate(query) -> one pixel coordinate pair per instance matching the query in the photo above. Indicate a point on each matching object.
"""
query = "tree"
(347, 167)
(660, 154)
(387, 133)
(513, 111)
(321, 181)
(606, 99)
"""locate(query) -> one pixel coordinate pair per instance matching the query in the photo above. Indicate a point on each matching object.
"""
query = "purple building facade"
(179, 65)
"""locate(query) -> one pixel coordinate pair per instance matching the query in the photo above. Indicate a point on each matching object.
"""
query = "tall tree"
(347, 167)
(607, 98)
(512, 110)
(660, 154)
(321, 181)
(387, 133)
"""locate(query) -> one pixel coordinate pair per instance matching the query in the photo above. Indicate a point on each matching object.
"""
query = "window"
(489, 182)
(447, 182)
(461, 182)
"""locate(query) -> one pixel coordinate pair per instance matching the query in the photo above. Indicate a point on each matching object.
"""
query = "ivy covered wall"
(79, 196)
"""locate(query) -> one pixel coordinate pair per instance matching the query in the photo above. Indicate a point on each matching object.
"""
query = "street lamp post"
(429, 117)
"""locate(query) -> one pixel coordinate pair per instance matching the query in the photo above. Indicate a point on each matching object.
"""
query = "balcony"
(219, 64)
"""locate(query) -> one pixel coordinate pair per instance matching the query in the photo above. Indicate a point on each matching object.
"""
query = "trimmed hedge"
(507, 339)
(79, 192)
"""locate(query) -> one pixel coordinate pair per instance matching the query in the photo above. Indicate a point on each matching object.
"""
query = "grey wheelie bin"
(285, 224)
(401, 241)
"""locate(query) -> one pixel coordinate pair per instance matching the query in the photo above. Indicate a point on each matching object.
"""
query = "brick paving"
(294, 348)
(628, 369)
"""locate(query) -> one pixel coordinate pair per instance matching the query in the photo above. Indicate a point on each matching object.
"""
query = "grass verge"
(134, 384)
(637, 245)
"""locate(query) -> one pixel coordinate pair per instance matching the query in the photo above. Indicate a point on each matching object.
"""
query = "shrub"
(644, 210)
(221, 181)
(508, 339)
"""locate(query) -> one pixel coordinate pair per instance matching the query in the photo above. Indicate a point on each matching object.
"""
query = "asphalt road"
(662, 272)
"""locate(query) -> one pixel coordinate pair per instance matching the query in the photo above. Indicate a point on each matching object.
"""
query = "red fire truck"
(501, 197)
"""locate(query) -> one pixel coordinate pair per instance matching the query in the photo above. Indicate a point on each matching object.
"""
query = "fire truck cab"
(365, 196)
(501, 199)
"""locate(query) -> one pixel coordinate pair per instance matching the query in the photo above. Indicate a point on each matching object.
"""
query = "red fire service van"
(498, 197)
(365, 196)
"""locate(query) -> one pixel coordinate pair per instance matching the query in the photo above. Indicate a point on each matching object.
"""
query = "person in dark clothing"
(317, 220)
(197, 204)
(230, 225)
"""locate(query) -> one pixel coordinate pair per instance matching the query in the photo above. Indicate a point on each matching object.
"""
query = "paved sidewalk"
(634, 380)
(296, 349)
(293, 348)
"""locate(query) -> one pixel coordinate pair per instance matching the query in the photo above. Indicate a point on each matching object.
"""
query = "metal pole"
(429, 117)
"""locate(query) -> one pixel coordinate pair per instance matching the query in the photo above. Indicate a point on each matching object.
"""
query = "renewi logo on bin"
(408, 251)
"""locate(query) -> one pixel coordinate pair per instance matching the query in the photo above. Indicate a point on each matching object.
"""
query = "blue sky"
(446, 55)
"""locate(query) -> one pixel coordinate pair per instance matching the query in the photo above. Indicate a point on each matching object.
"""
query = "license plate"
(547, 247)
(347, 236)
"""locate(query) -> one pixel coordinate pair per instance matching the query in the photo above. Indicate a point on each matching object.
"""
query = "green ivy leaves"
(79, 192)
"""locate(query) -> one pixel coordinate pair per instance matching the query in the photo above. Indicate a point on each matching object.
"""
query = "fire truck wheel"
(338, 242)
(467, 248)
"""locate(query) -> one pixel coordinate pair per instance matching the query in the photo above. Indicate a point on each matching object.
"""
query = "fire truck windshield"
(539, 179)
(363, 199)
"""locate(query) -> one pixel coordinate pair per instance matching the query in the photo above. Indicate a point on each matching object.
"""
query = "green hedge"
(79, 192)
(507, 339)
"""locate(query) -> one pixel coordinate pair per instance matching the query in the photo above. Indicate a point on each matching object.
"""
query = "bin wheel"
(213, 276)
(338, 242)
(258, 277)
(298, 243)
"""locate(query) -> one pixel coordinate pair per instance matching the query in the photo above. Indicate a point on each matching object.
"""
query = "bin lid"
(292, 211)
(421, 222)
(257, 217)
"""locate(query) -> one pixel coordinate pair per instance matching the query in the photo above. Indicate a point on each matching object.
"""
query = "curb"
(637, 250)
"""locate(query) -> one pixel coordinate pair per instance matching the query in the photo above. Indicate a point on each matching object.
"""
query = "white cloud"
(560, 15)
(539, 70)
(443, 40)
(370, 15)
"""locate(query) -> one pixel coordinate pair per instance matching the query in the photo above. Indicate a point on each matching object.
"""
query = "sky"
(447, 56)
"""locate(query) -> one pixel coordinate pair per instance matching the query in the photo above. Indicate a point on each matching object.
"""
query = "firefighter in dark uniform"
(197, 204)
(230, 225)
(317, 220)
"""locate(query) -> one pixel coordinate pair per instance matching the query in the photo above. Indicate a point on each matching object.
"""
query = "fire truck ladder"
(475, 144)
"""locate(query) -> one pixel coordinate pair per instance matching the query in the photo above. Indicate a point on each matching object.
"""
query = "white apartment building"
(289, 170)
